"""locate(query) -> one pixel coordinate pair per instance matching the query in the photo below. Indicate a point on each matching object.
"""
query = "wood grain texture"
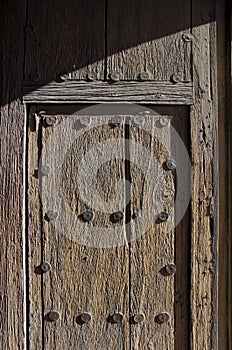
(150, 292)
(65, 38)
(147, 37)
(181, 122)
(99, 92)
(205, 182)
(34, 233)
(84, 278)
(12, 305)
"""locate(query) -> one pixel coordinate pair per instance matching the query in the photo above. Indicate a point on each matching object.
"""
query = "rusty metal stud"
(163, 122)
(87, 215)
(117, 317)
(52, 215)
(91, 76)
(45, 267)
(53, 316)
(143, 76)
(138, 120)
(115, 121)
(171, 164)
(45, 169)
(84, 120)
(163, 317)
(169, 269)
(50, 120)
(138, 318)
(115, 76)
(163, 216)
(176, 78)
(41, 113)
(85, 317)
(187, 37)
(116, 217)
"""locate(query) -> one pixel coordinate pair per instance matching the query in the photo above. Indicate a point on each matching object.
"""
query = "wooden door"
(109, 269)
(90, 272)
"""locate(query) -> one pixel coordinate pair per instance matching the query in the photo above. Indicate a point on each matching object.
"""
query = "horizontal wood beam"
(155, 92)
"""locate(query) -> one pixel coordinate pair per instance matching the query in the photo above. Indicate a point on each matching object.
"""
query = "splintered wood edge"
(155, 92)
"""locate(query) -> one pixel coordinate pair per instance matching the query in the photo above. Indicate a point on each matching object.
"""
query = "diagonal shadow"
(71, 37)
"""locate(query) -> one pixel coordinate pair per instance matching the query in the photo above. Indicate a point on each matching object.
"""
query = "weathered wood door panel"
(150, 39)
(64, 40)
(118, 40)
(115, 276)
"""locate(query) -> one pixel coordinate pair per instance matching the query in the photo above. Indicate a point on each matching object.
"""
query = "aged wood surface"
(12, 302)
(65, 39)
(204, 167)
(147, 37)
(181, 122)
(34, 233)
(99, 92)
(82, 278)
(150, 291)
(223, 12)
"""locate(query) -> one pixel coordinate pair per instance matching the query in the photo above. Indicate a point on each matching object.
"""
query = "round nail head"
(171, 164)
(163, 317)
(87, 215)
(45, 267)
(85, 317)
(85, 120)
(117, 317)
(92, 76)
(50, 120)
(163, 122)
(163, 216)
(45, 169)
(138, 318)
(170, 269)
(144, 76)
(117, 216)
(138, 120)
(53, 316)
(115, 76)
(52, 215)
(176, 78)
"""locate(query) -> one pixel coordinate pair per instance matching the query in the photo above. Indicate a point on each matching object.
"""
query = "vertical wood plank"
(205, 182)
(34, 232)
(147, 37)
(85, 278)
(12, 335)
(151, 293)
(181, 123)
(65, 39)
